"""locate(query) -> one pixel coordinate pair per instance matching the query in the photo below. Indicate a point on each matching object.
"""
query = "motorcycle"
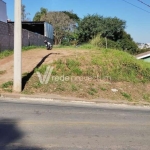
(48, 45)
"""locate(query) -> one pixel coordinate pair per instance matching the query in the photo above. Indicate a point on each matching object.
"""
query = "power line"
(136, 6)
(143, 3)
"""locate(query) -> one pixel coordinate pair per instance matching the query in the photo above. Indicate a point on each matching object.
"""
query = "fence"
(28, 38)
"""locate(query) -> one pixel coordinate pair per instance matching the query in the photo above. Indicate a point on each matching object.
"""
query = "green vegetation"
(106, 32)
(146, 97)
(7, 53)
(127, 96)
(120, 66)
(2, 72)
(26, 48)
(143, 50)
(7, 86)
(91, 72)
(103, 89)
(92, 91)
(110, 30)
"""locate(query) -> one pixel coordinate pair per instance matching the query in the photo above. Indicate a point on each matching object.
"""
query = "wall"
(147, 59)
(28, 38)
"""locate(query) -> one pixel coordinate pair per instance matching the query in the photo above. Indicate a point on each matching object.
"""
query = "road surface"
(67, 126)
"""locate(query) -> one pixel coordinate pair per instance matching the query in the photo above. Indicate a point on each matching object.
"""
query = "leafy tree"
(24, 14)
(72, 16)
(72, 37)
(113, 28)
(92, 25)
(61, 22)
(40, 14)
(89, 27)
(127, 43)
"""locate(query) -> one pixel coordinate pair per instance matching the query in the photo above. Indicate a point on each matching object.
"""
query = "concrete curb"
(58, 98)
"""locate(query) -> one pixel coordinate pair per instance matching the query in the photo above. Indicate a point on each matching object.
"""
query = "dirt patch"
(30, 59)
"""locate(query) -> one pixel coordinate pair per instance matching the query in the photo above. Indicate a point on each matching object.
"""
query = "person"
(48, 45)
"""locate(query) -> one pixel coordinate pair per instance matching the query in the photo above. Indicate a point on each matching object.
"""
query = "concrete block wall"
(28, 38)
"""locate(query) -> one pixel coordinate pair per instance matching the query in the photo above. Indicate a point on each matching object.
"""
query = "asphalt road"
(66, 126)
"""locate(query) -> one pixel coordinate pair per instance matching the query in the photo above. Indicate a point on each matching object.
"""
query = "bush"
(101, 43)
(65, 42)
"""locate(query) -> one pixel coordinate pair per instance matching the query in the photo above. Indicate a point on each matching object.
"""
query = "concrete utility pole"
(17, 86)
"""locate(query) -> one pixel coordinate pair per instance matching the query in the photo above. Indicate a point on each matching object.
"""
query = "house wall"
(147, 59)
(28, 38)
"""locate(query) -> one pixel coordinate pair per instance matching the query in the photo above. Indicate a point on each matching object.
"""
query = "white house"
(3, 11)
(143, 45)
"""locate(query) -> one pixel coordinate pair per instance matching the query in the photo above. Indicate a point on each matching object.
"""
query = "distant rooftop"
(143, 55)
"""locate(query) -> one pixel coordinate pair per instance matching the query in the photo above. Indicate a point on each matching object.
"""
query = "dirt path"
(30, 59)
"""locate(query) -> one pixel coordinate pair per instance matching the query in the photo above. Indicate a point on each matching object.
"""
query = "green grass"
(127, 96)
(146, 97)
(2, 72)
(103, 89)
(121, 66)
(63, 46)
(7, 86)
(82, 46)
(74, 87)
(41, 69)
(26, 48)
(118, 65)
(7, 53)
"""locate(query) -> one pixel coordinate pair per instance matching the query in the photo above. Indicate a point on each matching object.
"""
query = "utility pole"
(17, 83)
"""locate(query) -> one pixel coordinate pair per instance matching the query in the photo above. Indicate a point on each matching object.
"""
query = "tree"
(24, 14)
(72, 37)
(40, 14)
(127, 43)
(113, 28)
(61, 22)
(92, 25)
(89, 27)
(72, 16)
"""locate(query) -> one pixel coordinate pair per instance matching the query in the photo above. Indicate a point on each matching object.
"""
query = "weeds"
(92, 91)
(74, 88)
(126, 95)
(2, 72)
(7, 86)
(7, 53)
(146, 97)
(103, 89)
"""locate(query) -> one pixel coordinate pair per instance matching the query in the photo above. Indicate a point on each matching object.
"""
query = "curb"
(58, 98)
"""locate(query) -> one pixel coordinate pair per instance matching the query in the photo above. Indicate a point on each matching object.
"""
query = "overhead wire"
(136, 6)
(143, 3)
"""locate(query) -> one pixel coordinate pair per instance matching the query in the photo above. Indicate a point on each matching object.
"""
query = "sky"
(134, 12)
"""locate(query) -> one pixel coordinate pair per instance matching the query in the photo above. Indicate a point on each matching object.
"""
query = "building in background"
(145, 56)
(143, 45)
(3, 11)
(38, 27)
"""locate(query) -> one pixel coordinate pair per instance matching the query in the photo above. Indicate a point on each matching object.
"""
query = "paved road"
(60, 126)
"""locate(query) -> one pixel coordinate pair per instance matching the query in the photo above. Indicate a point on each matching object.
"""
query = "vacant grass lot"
(93, 74)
